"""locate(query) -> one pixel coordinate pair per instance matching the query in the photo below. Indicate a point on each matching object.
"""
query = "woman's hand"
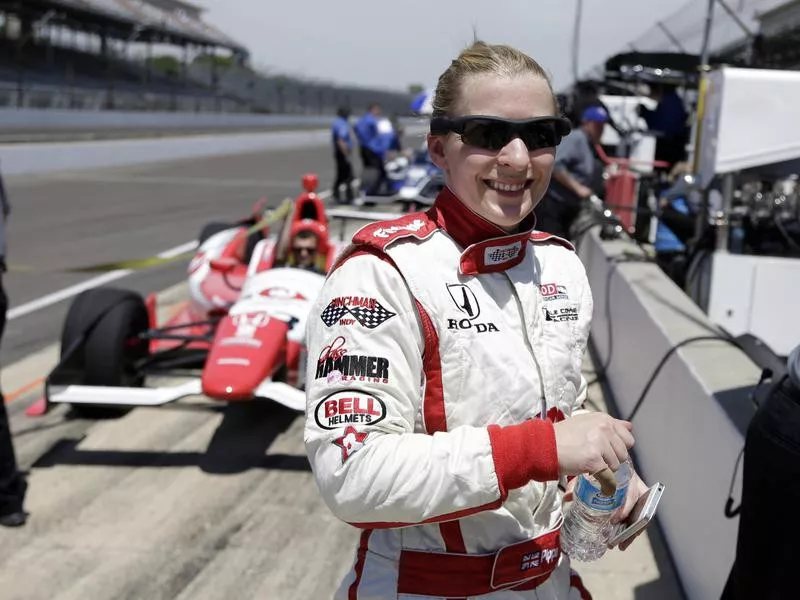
(636, 489)
(588, 443)
(569, 490)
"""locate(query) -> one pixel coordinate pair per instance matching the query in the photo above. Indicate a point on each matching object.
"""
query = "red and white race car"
(240, 335)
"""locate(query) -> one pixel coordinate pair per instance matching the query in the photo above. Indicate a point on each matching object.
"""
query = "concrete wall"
(691, 426)
(25, 159)
(64, 120)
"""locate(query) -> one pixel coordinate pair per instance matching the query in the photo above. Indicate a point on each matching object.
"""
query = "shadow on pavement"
(668, 586)
(239, 444)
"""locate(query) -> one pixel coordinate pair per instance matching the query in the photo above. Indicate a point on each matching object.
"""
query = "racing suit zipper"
(543, 407)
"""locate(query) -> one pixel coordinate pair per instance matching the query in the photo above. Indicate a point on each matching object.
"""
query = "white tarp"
(750, 120)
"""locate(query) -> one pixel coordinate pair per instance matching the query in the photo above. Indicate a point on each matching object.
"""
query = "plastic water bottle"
(587, 525)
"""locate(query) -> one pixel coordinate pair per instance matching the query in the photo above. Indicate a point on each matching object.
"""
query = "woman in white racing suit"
(444, 387)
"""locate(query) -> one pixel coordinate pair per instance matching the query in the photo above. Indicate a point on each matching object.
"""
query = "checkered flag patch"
(371, 317)
(332, 314)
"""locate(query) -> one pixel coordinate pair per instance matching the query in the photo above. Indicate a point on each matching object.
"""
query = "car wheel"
(111, 320)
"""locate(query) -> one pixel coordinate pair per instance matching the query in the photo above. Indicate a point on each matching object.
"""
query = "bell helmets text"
(349, 407)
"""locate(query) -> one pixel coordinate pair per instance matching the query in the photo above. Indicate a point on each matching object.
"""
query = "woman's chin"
(508, 214)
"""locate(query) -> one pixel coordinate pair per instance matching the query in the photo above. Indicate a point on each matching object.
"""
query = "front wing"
(277, 391)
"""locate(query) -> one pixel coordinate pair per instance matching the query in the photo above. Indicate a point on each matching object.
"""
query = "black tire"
(111, 319)
(210, 229)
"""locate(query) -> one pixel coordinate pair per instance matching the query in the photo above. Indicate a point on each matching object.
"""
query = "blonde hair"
(481, 58)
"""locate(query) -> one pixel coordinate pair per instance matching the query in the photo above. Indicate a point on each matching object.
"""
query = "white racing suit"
(441, 350)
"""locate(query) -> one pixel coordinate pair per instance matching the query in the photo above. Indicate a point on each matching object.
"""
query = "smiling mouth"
(508, 187)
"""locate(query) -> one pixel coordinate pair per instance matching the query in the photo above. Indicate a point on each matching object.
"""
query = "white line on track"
(180, 181)
(74, 290)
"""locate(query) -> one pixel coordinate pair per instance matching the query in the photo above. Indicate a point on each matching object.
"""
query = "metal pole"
(736, 18)
(671, 37)
(723, 219)
(704, 52)
(576, 38)
(702, 216)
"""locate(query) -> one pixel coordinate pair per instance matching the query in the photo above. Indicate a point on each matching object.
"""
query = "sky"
(389, 45)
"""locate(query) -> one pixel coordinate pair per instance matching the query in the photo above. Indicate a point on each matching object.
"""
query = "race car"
(239, 337)
(423, 182)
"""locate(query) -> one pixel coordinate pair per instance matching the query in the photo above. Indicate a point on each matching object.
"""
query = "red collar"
(487, 247)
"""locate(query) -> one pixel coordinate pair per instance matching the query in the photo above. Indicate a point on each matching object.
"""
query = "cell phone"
(643, 512)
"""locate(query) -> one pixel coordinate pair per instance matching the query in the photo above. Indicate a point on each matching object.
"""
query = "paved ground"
(191, 500)
(28, 136)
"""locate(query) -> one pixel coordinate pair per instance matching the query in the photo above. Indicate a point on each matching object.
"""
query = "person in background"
(304, 252)
(573, 174)
(372, 148)
(12, 483)
(587, 95)
(342, 152)
(765, 560)
(676, 226)
(396, 144)
(668, 121)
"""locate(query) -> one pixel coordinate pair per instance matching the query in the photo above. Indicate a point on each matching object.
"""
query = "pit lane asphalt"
(81, 218)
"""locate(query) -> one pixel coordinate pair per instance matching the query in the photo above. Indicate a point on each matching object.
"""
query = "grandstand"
(146, 55)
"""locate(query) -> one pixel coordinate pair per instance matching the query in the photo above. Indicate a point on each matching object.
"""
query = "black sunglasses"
(493, 133)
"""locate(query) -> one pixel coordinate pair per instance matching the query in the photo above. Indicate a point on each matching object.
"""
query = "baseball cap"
(595, 113)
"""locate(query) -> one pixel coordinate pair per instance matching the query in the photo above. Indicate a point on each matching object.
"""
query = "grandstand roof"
(124, 18)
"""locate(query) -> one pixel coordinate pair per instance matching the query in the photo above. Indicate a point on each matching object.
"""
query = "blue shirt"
(573, 155)
(669, 116)
(372, 132)
(341, 131)
(366, 129)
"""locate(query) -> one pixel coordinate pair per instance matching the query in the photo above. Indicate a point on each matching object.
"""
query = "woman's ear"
(436, 151)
